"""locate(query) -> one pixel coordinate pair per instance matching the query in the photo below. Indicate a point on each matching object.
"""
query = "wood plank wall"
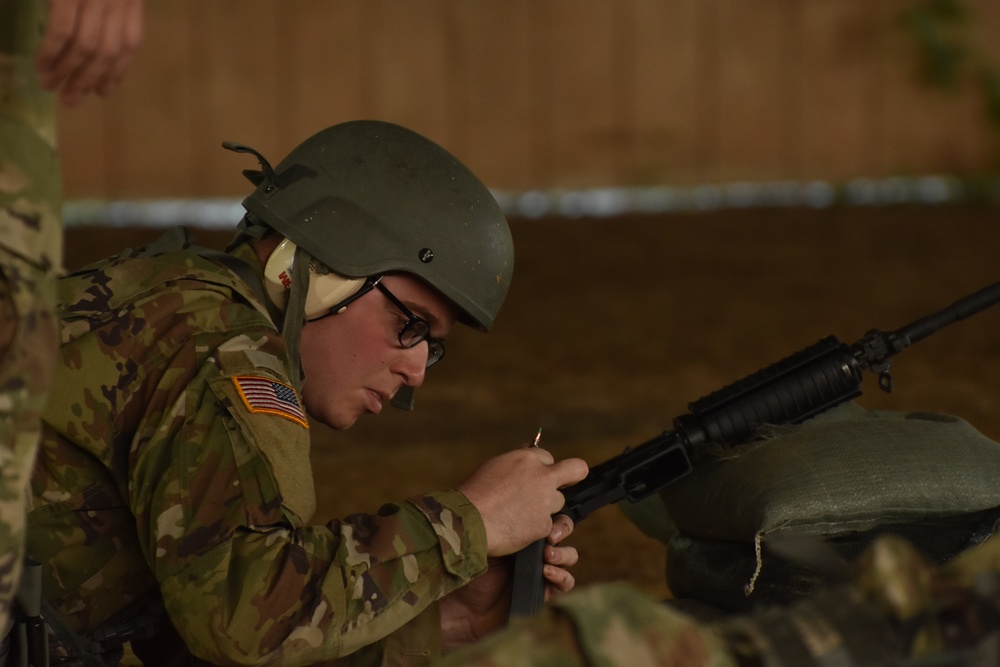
(535, 93)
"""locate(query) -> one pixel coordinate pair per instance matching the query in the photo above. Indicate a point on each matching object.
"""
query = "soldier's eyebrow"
(422, 312)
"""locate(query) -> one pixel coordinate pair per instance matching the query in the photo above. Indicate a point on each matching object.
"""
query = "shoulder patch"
(271, 397)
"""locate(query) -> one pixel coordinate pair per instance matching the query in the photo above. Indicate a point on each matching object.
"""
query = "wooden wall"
(535, 93)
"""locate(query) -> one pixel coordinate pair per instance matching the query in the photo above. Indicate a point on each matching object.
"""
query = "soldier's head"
(377, 222)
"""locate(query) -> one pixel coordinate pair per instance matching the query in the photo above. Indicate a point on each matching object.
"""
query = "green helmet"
(367, 197)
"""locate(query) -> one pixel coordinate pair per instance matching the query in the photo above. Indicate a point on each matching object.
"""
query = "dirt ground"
(613, 326)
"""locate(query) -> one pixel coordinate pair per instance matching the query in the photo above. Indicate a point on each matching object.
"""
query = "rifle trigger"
(885, 381)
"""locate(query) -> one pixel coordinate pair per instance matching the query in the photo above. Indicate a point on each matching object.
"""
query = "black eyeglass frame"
(414, 332)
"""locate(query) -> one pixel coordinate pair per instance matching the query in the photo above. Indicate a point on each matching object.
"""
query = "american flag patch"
(270, 397)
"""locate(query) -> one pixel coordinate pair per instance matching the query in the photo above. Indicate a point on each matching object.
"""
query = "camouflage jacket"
(176, 457)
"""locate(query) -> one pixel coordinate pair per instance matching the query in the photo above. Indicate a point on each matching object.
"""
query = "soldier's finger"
(570, 471)
(56, 40)
(544, 455)
(99, 43)
(566, 556)
(562, 526)
(558, 581)
(130, 38)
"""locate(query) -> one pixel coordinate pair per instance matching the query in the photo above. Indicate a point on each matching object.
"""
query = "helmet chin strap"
(248, 228)
(295, 316)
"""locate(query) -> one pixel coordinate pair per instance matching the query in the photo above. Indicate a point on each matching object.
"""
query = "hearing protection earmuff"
(325, 289)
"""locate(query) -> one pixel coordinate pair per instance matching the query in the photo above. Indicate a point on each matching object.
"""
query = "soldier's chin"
(345, 424)
(341, 422)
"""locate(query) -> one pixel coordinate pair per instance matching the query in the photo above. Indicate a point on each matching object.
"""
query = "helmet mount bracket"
(266, 175)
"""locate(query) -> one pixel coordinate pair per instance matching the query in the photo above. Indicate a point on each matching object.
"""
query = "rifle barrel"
(970, 305)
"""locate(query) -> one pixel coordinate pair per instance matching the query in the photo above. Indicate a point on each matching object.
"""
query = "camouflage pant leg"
(30, 253)
(949, 614)
(606, 625)
(28, 344)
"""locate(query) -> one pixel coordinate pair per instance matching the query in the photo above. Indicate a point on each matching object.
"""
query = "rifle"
(789, 391)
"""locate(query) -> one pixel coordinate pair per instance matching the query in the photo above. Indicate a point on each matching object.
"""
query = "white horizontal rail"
(588, 203)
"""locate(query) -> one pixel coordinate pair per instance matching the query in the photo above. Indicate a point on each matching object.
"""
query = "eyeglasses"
(415, 331)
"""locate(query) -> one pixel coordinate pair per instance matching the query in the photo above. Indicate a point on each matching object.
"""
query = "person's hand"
(483, 605)
(517, 493)
(558, 578)
(87, 45)
(478, 608)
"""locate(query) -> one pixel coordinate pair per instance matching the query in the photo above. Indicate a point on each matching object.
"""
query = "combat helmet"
(367, 197)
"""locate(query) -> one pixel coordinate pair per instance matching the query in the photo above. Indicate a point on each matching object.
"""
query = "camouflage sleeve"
(222, 491)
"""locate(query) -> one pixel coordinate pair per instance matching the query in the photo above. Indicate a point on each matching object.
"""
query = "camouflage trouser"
(606, 625)
(895, 610)
(30, 254)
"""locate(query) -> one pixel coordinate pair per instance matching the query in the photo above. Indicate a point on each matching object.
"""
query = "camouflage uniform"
(30, 252)
(898, 611)
(175, 458)
(608, 625)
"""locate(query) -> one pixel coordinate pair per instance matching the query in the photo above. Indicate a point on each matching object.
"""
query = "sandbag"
(844, 478)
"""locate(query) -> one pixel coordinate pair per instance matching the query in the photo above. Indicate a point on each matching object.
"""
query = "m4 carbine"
(789, 391)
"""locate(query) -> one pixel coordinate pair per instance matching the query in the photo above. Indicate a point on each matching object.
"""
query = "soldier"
(84, 48)
(174, 468)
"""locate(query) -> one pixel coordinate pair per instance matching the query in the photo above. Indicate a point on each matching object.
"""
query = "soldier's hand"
(517, 493)
(478, 608)
(558, 578)
(87, 45)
